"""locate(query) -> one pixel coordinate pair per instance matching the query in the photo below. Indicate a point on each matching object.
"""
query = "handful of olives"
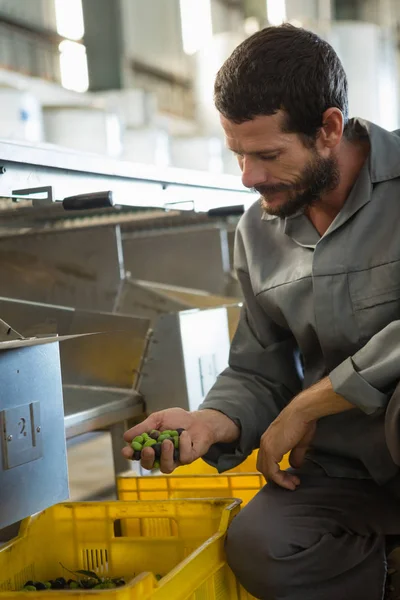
(154, 439)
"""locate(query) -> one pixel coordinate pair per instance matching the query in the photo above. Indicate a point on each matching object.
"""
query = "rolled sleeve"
(347, 382)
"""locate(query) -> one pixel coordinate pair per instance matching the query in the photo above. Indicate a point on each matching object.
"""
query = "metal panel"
(186, 353)
(73, 268)
(110, 360)
(141, 299)
(33, 375)
(205, 349)
(196, 258)
(94, 408)
(162, 381)
(22, 434)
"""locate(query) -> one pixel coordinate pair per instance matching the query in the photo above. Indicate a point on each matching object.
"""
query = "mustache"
(265, 190)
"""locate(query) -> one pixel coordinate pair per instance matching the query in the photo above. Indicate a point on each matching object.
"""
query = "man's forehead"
(254, 138)
(265, 130)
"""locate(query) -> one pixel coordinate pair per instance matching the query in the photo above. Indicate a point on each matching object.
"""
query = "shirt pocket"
(375, 297)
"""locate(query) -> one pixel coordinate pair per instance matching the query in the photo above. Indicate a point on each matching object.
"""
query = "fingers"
(285, 480)
(127, 452)
(147, 458)
(167, 464)
(185, 449)
(152, 422)
(271, 471)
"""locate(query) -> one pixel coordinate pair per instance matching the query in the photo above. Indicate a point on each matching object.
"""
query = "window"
(196, 23)
(276, 12)
(73, 66)
(73, 59)
(69, 19)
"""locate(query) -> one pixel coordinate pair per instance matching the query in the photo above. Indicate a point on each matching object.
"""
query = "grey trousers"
(324, 541)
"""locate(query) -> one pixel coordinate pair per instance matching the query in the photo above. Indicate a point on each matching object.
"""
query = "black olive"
(30, 582)
(157, 451)
(176, 455)
(179, 430)
(61, 580)
(39, 585)
(137, 455)
(57, 585)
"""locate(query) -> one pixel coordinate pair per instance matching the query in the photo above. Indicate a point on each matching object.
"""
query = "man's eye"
(269, 157)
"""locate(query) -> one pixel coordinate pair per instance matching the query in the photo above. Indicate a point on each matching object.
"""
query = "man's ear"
(331, 131)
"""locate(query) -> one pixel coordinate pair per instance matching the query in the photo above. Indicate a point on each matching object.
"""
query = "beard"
(320, 175)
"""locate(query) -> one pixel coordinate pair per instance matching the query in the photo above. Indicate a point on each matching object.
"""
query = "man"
(316, 356)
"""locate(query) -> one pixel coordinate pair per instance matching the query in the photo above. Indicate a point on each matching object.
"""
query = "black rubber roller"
(95, 200)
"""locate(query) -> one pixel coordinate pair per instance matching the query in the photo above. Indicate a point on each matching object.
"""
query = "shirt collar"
(384, 158)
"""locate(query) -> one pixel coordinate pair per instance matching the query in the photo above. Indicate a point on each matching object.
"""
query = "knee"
(261, 549)
(253, 552)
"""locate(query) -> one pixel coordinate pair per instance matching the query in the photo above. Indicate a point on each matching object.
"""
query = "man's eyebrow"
(256, 152)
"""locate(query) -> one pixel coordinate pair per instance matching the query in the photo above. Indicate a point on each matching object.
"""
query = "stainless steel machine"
(122, 262)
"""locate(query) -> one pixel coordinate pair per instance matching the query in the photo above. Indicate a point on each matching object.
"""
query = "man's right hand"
(203, 428)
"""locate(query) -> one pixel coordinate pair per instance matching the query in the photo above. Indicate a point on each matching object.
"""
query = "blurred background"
(133, 80)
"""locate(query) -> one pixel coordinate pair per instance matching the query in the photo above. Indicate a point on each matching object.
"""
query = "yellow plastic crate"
(181, 540)
(197, 480)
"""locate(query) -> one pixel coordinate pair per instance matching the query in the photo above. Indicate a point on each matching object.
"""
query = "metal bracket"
(46, 192)
(21, 434)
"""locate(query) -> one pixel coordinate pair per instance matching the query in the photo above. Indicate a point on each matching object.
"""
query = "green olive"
(148, 443)
(136, 446)
(139, 439)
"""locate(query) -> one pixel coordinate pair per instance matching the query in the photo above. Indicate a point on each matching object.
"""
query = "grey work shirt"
(332, 300)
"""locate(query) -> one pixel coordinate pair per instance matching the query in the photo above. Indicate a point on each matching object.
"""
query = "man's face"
(288, 175)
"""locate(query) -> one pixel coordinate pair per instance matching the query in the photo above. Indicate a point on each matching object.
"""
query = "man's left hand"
(293, 430)
(288, 433)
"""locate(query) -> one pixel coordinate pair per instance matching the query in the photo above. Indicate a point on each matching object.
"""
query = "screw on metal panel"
(2, 170)
(38, 429)
(9, 438)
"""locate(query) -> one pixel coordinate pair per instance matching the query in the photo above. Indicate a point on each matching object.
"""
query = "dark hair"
(287, 68)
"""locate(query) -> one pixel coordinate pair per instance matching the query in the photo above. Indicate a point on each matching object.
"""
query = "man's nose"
(253, 173)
